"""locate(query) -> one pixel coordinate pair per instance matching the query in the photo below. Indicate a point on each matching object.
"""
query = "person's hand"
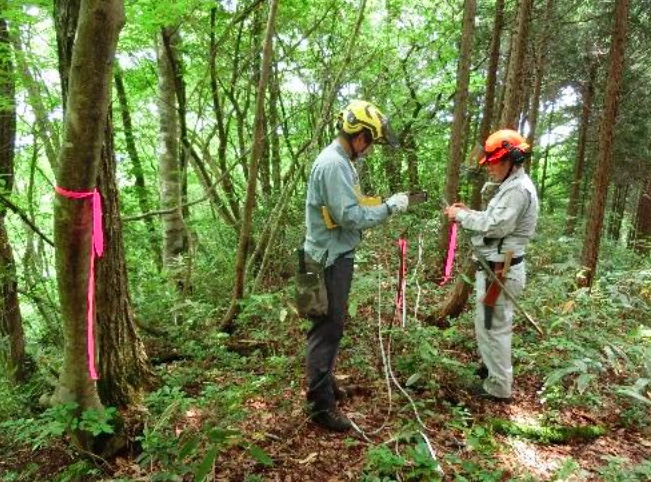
(452, 211)
(398, 203)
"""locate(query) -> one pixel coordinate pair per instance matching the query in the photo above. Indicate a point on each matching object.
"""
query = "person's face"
(361, 147)
(497, 170)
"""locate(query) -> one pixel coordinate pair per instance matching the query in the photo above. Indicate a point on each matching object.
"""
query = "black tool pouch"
(311, 293)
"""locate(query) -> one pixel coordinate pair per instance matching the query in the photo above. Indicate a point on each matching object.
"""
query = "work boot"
(331, 419)
(341, 393)
(478, 392)
(482, 372)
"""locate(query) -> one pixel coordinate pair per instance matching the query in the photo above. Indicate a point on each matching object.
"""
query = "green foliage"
(547, 434)
(620, 470)
(56, 421)
(383, 465)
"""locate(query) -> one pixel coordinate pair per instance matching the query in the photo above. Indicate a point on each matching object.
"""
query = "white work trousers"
(495, 344)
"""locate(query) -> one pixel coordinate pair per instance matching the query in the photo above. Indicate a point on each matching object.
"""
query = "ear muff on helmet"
(503, 145)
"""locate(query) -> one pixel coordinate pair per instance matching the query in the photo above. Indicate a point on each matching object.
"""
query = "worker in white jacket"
(499, 236)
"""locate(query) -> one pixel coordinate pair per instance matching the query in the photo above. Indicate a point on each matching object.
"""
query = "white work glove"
(398, 203)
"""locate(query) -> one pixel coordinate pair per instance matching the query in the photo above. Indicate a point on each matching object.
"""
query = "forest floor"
(231, 408)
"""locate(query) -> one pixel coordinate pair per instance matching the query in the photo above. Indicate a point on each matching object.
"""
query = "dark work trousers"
(326, 333)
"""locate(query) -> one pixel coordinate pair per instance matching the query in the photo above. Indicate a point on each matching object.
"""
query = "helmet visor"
(387, 135)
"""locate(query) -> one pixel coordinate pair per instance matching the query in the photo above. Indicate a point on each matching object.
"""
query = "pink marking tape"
(452, 249)
(402, 274)
(97, 249)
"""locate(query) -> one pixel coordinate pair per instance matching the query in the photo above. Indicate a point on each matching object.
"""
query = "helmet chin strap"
(508, 173)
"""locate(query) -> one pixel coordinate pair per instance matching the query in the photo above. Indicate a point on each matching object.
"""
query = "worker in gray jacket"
(336, 213)
(499, 236)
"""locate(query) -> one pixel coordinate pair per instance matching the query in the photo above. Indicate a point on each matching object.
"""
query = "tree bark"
(458, 297)
(66, 18)
(543, 180)
(44, 128)
(88, 95)
(603, 168)
(539, 74)
(587, 94)
(256, 156)
(222, 132)
(514, 80)
(122, 361)
(11, 321)
(617, 210)
(175, 234)
(451, 190)
(642, 232)
(138, 172)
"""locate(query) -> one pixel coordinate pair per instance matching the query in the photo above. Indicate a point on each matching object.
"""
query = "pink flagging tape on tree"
(402, 275)
(97, 249)
(452, 249)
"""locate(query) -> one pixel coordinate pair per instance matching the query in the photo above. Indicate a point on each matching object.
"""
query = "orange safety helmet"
(505, 144)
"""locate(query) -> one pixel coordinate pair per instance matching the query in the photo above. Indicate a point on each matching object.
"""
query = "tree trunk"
(100, 22)
(514, 80)
(66, 18)
(256, 156)
(11, 321)
(642, 233)
(175, 235)
(617, 210)
(603, 168)
(451, 190)
(274, 96)
(44, 128)
(138, 172)
(411, 151)
(222, 132)
(543, 180)
(587, 94)
(539, 74)
(457, 299)
(122, 360)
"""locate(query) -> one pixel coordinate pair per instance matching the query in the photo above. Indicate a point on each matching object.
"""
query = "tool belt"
(493, 289)
(498, 265)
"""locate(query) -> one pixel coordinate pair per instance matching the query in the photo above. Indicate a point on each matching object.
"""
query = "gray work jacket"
(509, 221)
(334, 184)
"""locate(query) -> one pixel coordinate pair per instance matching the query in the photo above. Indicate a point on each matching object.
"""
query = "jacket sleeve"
(498, 221)
(343, 204)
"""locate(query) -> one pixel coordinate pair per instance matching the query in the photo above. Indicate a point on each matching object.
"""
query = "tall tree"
(11, 321)
(601, 177)
(256, 156)
(642, 231)
(587, 100)
(175, 234)
(542, 46)
(514, 75)
(122, 362)
(451, 190)
(137, 169)
(456, 300)
(88, 95)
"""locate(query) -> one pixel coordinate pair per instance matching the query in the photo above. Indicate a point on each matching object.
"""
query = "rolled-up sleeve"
(342, 201)
(498, 221)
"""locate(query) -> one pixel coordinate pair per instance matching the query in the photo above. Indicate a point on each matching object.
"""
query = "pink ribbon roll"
(452, 249)
(97, 249)
(402, 272)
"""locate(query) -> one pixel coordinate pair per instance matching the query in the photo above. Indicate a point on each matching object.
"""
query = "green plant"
(415, 464)
(620, 470)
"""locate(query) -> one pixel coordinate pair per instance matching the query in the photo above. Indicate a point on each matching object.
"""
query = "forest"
(154, 166)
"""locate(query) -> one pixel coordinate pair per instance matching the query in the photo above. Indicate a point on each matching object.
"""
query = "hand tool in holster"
(484, 264)
(494, 289)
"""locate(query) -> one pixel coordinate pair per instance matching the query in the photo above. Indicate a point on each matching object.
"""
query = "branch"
(4, 200)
